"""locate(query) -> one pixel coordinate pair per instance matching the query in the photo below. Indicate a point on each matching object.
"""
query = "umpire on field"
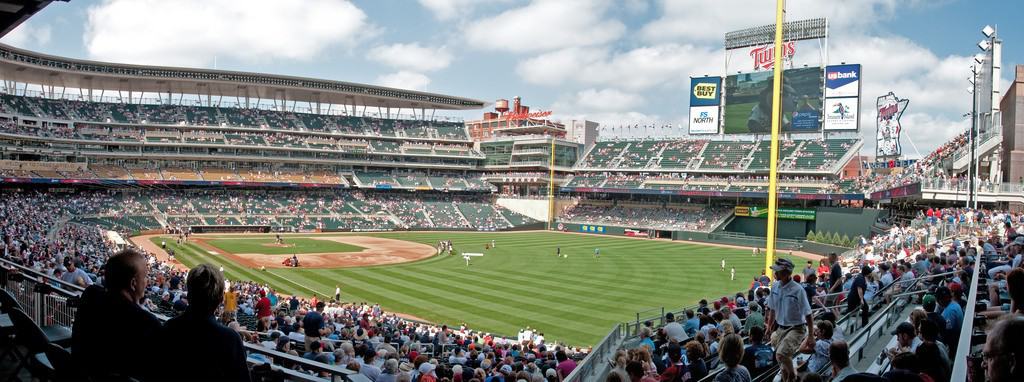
(789, 318)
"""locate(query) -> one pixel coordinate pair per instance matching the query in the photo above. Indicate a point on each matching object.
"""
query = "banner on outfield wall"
(842, 113)
(591, 228)
(783, 213)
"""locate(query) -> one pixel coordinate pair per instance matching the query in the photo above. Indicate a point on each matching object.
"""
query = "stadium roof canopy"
(15, 12)
(25, 66)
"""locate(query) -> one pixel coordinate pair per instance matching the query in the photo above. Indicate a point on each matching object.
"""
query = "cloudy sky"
(615, 62)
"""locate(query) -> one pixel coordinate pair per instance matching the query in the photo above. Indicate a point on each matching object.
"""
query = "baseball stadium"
(274, 227)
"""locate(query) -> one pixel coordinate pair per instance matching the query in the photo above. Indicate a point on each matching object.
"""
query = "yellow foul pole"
(551, 186)
(773, 161)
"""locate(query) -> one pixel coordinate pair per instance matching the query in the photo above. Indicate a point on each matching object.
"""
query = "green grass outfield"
(575, 300)
(736, 116)
(263, 245)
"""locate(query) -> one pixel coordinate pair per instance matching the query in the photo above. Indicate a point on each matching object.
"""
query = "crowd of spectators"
(793, 325)
(212, 317)
(696, 219)
(248, 117)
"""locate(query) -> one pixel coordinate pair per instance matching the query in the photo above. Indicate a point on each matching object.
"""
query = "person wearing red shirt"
(263, 312)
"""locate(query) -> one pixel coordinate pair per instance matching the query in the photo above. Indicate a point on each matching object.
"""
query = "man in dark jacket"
(109, 323)
(211, 350)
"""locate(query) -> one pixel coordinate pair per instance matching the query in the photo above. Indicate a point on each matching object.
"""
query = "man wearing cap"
(754, 318)
(789, 317)
(953, 315)
(75, 275)
(1013, 250)
(906, 339)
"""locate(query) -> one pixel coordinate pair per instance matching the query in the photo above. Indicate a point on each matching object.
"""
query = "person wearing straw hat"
(789, 317)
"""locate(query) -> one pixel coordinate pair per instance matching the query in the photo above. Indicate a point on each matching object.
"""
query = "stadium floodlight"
(970, 89)
(979, 58)
(984, 45)
(765, 34)
(988, 31)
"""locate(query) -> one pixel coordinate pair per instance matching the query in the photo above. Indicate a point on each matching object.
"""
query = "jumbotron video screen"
(748, 101)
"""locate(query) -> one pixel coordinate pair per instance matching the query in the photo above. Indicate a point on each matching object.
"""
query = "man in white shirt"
(75, 274)
(789, 318)
(673, 329)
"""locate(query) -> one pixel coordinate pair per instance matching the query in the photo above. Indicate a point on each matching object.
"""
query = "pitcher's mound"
(378, 251)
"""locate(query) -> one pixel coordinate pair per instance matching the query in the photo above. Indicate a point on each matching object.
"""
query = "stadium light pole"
(972, 171)
(773, 159)
(551, 186)
(972, 137)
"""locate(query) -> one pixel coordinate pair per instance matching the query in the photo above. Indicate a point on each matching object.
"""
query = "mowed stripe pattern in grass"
(522, 283)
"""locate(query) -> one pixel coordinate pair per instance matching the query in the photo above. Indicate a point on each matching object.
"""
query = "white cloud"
(404, 80)
(544, 25)
(445, 10)
(664, 65)
(922, 132)
(28, 34)
(413, 57)
(636, 6)
(936, 87)
(193, 32)
(608, 99)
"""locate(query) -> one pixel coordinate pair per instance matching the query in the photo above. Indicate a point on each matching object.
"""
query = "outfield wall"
(852, 222)
(702, 237)
(757, 226)
(534, 208)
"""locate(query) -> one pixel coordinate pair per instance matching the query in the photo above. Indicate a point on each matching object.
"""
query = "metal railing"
(963, 348)
(49, 301)
(598, 357)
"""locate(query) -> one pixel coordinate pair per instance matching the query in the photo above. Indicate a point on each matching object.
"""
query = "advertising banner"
(705, 91)
(898, 192)
(783, 213)
(888, 164)
(890, 109)
(842, 80)
(795, 54)
(704, 120)
(748, 101)
(841, 113)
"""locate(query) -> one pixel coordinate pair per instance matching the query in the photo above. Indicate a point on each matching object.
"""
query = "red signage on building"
(764, 56)
(513, 116)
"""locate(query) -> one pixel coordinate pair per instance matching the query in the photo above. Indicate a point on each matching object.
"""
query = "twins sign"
(890, 109)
